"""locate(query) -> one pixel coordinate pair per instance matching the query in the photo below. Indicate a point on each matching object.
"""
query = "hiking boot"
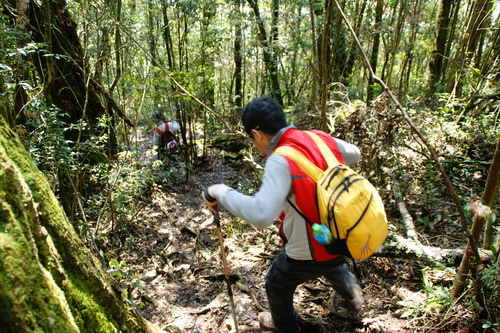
(348, 309)
(266, 322)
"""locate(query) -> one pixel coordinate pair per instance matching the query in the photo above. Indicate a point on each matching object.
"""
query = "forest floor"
(173, 247)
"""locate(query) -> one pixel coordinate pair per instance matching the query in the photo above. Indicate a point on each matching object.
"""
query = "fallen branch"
(406, 218)
(397, 246)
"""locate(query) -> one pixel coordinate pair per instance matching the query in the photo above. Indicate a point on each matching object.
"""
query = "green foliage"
(236, 227)
(127, 184)
(14, 45)
(490, 277)
(47, 143)
(437, 296)
(127, 281)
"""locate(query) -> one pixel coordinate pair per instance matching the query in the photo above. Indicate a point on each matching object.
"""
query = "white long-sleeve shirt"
(173, 127)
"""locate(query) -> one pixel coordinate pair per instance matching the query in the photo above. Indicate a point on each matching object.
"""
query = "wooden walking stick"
(224, 263)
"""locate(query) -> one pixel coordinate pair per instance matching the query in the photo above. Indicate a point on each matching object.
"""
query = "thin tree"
(436, 65)
(395, 40)
(237, 55)
(324, 64)
(489, 198)
(477, 19)
(353, 52)
(270, 57)
(407, 66)
(370, 91)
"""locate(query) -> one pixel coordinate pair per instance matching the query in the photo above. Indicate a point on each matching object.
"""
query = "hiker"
(303, 258)
(164, 138)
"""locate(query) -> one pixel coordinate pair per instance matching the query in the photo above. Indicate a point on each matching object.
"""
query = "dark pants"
(286, 274)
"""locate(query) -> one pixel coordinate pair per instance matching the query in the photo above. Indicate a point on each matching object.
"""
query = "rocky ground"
(173, 247)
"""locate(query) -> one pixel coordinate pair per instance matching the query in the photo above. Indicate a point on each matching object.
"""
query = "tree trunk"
(167, 36)
(408, 62)
(70, 74)
(315, 59)
(337, 50)
(489, 197)
(238, 59)
(151, 34)
(49, 282)
(491, 194)
(68, 87)
(468, 46)
(396, 38)
(370, 92)
(270, 57)
(451, 37)
(353, 51)
(103, 49)
(438, 54)
(118, 46)
(324, 64)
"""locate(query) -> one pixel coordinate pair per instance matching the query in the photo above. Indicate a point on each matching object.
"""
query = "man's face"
(260, 140)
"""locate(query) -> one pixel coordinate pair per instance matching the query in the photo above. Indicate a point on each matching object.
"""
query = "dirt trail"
(173, 247)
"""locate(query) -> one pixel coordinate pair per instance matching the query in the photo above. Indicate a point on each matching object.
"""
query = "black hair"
(264, 114)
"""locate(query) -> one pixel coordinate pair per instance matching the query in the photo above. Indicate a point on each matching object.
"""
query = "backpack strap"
(299, 212)
(325, 150)
(309, 167)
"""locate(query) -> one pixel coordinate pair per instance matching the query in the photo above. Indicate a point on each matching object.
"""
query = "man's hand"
(210, 201)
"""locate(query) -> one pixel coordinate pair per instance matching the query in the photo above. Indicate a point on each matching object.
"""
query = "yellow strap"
(309, 167)
(325, 150)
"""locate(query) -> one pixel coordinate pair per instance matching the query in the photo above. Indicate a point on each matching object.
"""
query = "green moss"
(88, 314)
(27, 300)
(49, 281)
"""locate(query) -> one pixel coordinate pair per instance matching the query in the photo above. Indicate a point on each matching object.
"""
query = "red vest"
(160, 132)
(304, 188)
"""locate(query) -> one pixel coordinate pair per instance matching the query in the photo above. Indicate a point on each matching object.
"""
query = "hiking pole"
(209, 198)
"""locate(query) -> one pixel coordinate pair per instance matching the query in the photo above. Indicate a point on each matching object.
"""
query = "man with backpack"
(164, 138)
(288, 192)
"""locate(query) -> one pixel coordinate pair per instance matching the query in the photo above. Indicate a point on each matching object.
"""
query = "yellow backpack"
(348, 204)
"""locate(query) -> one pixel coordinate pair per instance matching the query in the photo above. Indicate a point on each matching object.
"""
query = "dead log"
(397, 246)
(410, 247)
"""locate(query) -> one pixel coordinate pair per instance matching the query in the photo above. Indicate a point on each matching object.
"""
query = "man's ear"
(258, 134)
(255, 134)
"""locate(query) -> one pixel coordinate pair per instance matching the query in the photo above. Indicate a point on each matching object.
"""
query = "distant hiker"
(283, 182)
(164, 138)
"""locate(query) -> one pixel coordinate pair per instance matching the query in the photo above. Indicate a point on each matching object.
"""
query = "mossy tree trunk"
(49, 282)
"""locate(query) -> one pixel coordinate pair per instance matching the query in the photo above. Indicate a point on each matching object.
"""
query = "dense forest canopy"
(415, 84)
